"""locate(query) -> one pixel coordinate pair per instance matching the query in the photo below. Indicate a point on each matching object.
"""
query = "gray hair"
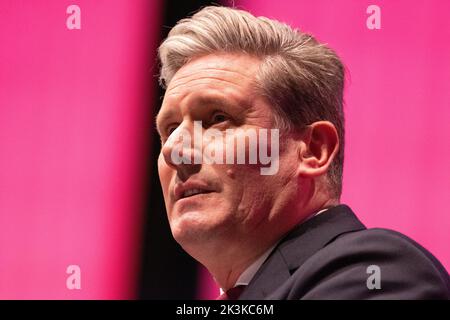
(302, 78)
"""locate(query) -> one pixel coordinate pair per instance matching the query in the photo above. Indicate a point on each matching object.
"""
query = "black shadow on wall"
(167, 272)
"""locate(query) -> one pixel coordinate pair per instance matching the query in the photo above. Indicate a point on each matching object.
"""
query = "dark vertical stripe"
(167, 272)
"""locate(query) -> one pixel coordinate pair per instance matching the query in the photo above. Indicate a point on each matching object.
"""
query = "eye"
(219, 117)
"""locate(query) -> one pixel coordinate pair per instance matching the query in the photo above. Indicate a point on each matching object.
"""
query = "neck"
(227, 258)
(227, 265)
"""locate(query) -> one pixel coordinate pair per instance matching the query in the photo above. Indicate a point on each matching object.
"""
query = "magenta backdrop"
(72, 122)
(397, 153)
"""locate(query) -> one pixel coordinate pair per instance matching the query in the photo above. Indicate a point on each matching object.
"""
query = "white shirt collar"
(248, 274)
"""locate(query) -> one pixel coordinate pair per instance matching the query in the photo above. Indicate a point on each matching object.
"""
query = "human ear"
(318, 147)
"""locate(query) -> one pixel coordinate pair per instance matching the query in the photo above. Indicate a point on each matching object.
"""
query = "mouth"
(189, 190)
(193, 192)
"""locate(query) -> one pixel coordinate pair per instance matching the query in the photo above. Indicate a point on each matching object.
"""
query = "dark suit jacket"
(327, 258)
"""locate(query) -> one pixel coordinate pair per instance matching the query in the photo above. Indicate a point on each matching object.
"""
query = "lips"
(191, 188)
(192, 192)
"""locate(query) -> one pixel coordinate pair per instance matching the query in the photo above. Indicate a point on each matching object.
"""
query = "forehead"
(215, 76)
(235, 68)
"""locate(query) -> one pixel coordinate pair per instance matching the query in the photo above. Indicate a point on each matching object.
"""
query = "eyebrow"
(170, 114)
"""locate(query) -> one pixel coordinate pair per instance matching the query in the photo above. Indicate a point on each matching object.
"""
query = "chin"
(192, 227)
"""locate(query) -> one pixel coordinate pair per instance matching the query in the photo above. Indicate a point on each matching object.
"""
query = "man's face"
(235, 199)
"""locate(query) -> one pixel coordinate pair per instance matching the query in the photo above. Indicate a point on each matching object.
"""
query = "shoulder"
(371, 264)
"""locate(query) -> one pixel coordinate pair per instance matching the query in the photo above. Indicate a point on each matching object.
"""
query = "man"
(281, 233)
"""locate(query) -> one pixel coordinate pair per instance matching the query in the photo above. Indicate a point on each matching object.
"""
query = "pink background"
(74, 115)
(72, 120)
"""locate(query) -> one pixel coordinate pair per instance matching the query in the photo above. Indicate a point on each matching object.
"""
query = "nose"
(177, 149)
(179, 152)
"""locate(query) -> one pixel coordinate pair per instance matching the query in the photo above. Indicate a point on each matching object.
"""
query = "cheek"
(242, 184)
(243, 179)
(250, 196)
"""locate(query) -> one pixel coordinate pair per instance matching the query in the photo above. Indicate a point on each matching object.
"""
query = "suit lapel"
(269, 277)
(300, 244)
